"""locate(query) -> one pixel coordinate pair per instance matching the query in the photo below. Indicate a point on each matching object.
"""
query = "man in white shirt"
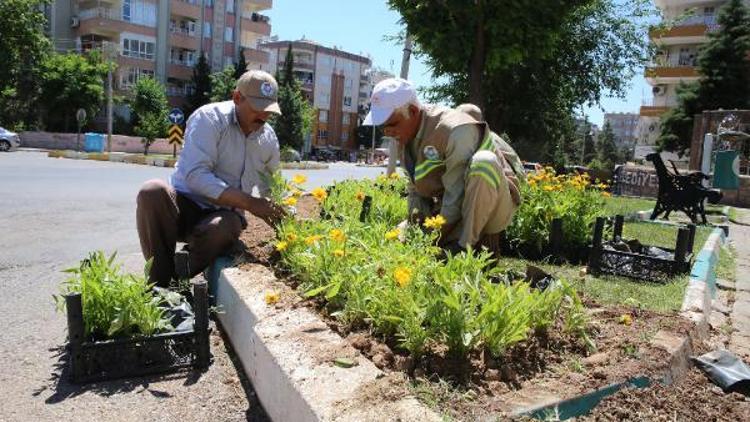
(229, 150)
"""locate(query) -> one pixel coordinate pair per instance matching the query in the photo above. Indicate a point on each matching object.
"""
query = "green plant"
(114, 304)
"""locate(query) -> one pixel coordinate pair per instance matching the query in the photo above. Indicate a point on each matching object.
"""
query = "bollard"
(365, 212)
(619, 220)
(680, 250)
(75, 333)
(200, 296)
(596, 246)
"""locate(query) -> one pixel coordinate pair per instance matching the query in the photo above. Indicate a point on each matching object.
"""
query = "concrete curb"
(116, 157)
(288, 353)
(702, 285)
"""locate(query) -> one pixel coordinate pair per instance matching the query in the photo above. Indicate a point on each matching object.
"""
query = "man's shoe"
(182, 264)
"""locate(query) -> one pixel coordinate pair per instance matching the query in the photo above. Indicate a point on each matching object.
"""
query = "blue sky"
(360, 26)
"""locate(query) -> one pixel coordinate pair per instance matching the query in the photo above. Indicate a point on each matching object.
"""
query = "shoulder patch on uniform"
(431, 153)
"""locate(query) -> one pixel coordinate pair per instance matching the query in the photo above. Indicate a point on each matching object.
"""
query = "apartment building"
(334, 81)
(624, 126)
(162, 38)
(675, 61)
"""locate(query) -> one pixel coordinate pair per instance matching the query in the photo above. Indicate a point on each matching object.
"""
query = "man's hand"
(267, 210)
(445, 232)
(262, 208)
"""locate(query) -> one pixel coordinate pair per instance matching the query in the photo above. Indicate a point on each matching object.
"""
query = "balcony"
(253, 55)
(257, 26)
(308, 66)
(109, 22)
(186, 8)
(674, 74)
(692, 30)
(257, 5)
(183, 39)
(180, 71)
(179, 91)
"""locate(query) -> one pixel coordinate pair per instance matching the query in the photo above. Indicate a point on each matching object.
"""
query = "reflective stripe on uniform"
(426, 167)
(486, 171)
(487, 143)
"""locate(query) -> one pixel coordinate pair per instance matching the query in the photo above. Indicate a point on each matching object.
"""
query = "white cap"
(387, 96)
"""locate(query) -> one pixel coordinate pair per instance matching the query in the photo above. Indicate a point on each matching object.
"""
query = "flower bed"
(403, 290)
(546, 196)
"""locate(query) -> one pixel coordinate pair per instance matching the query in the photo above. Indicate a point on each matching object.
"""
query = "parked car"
(531, 168)
(8, 140)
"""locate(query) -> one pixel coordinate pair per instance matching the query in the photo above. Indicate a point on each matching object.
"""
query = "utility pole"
(110, 52)
(392, 147)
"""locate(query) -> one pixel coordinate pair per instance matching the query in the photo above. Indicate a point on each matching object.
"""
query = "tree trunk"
(478, 57)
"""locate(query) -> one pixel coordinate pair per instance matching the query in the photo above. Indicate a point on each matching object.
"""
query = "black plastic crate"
(130, 357)
(638, 265)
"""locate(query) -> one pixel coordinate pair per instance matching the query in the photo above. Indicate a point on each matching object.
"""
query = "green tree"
(241, 66)
(69, 82)
(724, 82)
(202, 84)
(222, 84)
(606, 149)
(542, 60)
(149, 109)
(23, 47)
(290, 127)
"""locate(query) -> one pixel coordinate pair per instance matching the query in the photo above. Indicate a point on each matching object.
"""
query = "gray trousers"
(165, 217)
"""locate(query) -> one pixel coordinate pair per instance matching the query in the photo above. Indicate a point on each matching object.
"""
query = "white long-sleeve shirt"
(217, 155)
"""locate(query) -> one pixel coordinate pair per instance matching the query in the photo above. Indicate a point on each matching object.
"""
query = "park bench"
(681, 192)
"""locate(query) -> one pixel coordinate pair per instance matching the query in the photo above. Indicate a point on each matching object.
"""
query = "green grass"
(627, 205)
(727, 268)
(613, 290)
(661, 235)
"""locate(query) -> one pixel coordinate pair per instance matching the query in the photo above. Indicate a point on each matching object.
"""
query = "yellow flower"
(291, 201)
(392, 234)
(626, 319)
(299, 179)
(281, 246)
(311, 240)
(402, 275)
(435, 222)
(320, 194)
(606, 194)
(272, 297)
(394, 176)
(296, 193)
(381, 178)
(291, 237)
(360, 196)
(549, 188)
(338, 253)
(337, 235)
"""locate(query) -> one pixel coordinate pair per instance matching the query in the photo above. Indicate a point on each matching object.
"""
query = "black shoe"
(182, 264)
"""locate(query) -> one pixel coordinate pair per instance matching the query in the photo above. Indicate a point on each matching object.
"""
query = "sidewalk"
(740, 341)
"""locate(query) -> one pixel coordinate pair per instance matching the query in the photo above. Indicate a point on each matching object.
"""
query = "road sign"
(176, 116)
(81, 115)
(175, 135)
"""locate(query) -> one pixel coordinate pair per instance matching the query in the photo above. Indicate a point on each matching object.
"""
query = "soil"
(545, 367)
(693, 398)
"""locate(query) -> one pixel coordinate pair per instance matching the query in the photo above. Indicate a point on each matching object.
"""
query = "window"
(207, 30)
(344, 136)
(709, 11)
(345, 119)
(138, 49)
(323, 116)
(126, 10)
(348, 101)
(322, 134)
(230, 6)
(228, 34)
(130, 76)
(228, 61)
(209, 3)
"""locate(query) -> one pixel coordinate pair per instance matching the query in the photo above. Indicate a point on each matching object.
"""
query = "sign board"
(81, 115)
(175, 135)
(176, 116)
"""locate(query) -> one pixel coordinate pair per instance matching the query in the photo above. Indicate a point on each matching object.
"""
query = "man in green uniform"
(457, 166)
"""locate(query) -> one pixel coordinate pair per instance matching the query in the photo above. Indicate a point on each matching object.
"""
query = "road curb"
(701, 289)
(288, 353)
(115, 157)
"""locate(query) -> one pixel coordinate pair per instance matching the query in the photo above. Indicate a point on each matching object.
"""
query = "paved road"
(54, 211)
